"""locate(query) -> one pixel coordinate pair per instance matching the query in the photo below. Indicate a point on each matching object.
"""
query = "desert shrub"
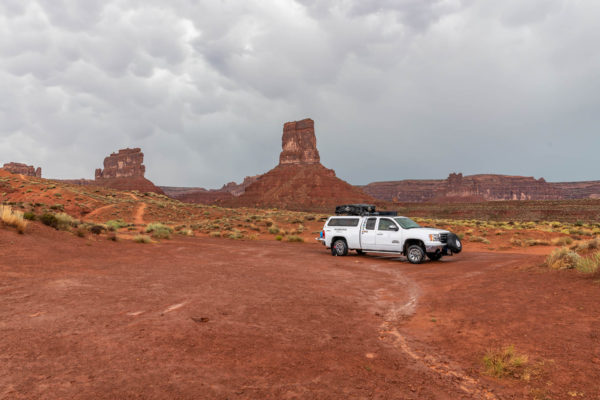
(142, 239)
(14, 218)
(57, 207)
(294, 238)
(186, 232)
(505, 362)
(112, 236)
(50, 220)
(536, 242)
(29, 216)
(97, 229)
(589, 265)
(65, 221)
(563, 258)
(215, 234)
(278, 237)
(273, 230)
(80, 231)
(159, 231)
(235, 235)
(479, 239)
(562, 241)
(116, 224)
(593, 244)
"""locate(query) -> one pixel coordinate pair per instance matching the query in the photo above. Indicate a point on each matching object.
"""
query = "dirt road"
(224, 319)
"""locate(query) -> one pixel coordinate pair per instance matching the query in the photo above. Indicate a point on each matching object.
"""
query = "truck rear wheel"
(339, 248)
(415, 254)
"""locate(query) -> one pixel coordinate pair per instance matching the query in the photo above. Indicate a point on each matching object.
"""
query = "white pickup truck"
(387, 234)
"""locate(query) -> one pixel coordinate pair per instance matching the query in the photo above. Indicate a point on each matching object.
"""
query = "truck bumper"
(321, 240)
(435, 248)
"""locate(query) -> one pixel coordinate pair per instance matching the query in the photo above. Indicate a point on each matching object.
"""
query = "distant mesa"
(123, 170)
(23, 169)
(476, 188)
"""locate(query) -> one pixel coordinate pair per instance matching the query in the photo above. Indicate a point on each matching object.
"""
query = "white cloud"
(411, 88)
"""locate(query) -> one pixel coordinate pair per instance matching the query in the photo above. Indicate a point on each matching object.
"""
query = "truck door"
(389, 236)
(367, 234)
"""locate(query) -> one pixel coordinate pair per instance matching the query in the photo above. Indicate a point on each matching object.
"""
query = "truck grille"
(444, 238)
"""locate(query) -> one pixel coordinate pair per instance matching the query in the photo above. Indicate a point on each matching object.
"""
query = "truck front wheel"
(339, 248)
(415, 254)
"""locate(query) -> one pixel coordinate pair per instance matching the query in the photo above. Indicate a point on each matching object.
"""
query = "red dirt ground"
(208, 318)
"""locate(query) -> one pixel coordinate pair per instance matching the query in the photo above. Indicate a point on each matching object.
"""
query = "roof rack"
(362, 210)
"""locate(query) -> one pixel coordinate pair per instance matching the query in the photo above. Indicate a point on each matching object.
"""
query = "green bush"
(116, 224)
(50, 220)
(29, 215)
(295, 239)
(159, 231)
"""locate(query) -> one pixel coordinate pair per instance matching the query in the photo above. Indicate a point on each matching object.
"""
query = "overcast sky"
(398, 89)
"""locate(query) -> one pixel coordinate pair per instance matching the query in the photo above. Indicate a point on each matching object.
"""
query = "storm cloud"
(398, 89)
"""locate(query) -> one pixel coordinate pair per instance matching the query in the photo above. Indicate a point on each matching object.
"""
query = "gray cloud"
(398, 89)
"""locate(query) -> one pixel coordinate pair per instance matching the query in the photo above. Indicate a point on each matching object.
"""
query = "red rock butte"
(299, 182)
(299, 143)
(23, 169)
(126, 163)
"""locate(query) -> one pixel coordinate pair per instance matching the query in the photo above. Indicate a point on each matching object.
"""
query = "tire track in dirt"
(396, 312)
(138, 218)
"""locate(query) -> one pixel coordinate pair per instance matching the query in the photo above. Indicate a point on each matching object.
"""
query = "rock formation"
(459, 188)
(126, 163)
(300, 182)
(123, 171)
(299, 143)
(23, 169)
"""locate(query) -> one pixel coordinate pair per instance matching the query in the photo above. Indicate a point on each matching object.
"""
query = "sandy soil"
(202, 318)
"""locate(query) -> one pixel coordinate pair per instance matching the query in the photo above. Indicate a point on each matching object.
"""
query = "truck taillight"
(323, 234)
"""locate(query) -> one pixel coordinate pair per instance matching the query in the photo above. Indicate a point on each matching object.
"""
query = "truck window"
(370, 225)
(386, 224)
(343, 222)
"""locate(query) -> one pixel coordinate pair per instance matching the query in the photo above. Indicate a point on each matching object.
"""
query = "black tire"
(360, 252)
(454, 244)
(434, 256)
(339, 248)
(415, 254)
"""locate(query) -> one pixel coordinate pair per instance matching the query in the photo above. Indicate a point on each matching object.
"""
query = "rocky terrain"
(300, 181)
(122, 170)
(23, 169)
(474, 188)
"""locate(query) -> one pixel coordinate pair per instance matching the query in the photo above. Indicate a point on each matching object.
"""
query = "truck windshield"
(406, 223)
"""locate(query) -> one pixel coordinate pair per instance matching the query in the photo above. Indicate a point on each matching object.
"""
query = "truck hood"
(427, 231)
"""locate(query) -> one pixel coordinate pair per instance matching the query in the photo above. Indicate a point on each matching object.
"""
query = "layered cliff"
(488, 187)
(23, 169)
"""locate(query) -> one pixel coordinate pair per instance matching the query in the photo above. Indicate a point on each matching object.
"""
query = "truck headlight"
(434, 237)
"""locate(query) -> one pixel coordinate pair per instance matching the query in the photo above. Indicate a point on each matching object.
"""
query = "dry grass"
(506, 362)
(142, 239)
(562, 258)
(14, 218)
